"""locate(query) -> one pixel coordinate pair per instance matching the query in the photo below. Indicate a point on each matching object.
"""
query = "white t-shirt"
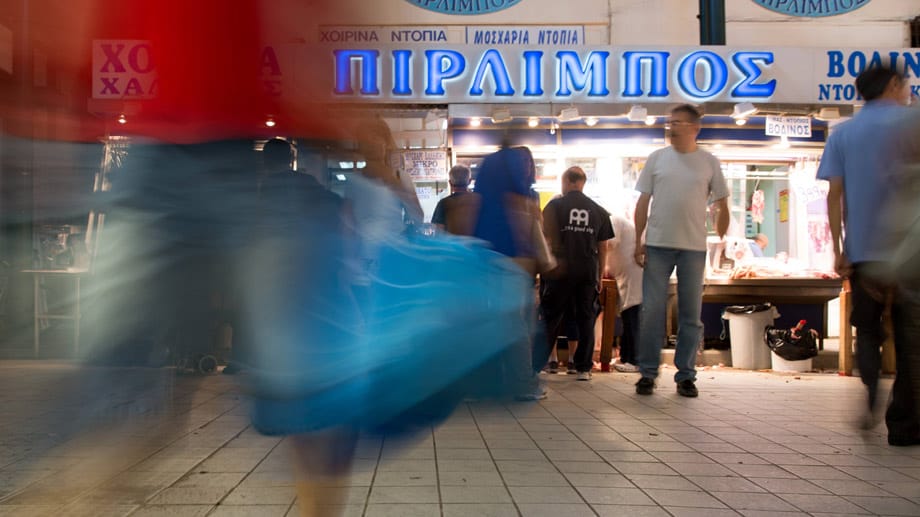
(681, 185)
(622, 265)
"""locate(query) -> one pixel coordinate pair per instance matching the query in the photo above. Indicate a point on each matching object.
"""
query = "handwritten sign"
(425, 165)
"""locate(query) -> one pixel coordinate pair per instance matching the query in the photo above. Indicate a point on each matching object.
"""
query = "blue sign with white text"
(465, 7)
(812, 8)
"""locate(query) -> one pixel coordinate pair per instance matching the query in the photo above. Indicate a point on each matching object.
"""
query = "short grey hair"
(460, 176)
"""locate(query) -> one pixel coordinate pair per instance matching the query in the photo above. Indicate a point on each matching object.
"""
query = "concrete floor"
(752, 444)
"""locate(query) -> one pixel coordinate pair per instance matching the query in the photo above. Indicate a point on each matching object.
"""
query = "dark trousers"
(903, 415)
(630, 336)
(558, 296)
(869, 298)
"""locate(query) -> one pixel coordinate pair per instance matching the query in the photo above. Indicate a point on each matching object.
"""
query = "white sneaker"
(583, 376)
(625, 367)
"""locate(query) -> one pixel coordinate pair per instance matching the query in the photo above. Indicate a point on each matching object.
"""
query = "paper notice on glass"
(425, 165)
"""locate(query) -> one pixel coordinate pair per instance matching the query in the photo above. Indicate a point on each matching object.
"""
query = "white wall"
(880, 23)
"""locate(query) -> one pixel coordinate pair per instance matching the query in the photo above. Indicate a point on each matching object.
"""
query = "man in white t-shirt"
(679, 181)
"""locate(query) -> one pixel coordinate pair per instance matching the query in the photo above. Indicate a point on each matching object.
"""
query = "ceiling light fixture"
(637, 114)
(741, 121)
(650, 120)
(122, 119)
(569, 114)
(475, 122)
(533, 121)
(270, 122)
(501, 115)
(828, 114)
(591, 121)
(743, 110)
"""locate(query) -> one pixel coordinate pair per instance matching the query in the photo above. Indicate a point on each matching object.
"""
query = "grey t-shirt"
(681, 186)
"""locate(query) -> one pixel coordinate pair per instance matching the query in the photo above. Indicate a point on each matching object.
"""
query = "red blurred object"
(207, 58)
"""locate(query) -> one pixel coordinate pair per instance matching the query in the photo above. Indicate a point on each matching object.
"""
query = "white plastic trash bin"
(782, 365)
(749, 347)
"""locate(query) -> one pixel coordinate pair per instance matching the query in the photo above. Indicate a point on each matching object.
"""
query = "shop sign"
(791, 127)
(812, 8)
(492, 35)
(123, 69)
(569, 35)
(466, 74)
(425, 165)
(464, 7)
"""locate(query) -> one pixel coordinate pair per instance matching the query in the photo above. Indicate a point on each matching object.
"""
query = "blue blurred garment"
(502, 173)
(861, 152)
(435, 309)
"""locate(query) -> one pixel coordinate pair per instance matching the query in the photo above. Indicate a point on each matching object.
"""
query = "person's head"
(277, 154)
(685, 124)
(882, 82)
(762, 241)
(459, 177)
(374, 140)
(529, 164)
(574, 178)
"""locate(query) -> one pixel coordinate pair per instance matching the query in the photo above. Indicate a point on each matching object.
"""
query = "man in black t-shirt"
(576, 228)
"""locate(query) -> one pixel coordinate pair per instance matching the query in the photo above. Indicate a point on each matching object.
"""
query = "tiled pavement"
(752, 444)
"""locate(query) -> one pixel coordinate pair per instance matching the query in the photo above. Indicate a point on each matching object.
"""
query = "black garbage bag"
(792, 346)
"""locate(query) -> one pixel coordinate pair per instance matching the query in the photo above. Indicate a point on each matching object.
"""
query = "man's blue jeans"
(659, 263)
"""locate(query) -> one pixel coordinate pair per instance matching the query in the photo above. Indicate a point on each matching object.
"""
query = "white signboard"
(790, 127)
(123, 69)
(425, 165)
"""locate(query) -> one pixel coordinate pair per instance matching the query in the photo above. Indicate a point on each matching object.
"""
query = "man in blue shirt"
(857, 161)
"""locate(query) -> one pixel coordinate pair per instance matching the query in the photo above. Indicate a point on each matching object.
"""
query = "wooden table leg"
(608, 328)
(845, 355)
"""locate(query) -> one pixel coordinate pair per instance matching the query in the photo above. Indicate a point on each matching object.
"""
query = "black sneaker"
(645, 386)
(686, 388)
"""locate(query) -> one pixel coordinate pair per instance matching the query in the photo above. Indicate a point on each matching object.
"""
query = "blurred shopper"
(857, 161)
(577, 229)
(623, 268)
(509, 220)
(295, 284)
(679, 181)
(456, 213)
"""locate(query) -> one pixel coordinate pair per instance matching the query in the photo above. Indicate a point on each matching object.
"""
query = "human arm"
(835, 208)
(722, 217)
(641, 218)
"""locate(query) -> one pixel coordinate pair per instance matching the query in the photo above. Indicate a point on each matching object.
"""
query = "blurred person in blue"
(857, 162)
(680, 182)
(344, 351)
(577, 229)
(456, 213)
(509, 220)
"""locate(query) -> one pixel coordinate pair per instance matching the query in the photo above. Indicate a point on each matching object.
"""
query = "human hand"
(639, 255)
(842, 265)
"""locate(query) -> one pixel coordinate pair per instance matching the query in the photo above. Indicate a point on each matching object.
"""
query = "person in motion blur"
(857, 161)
